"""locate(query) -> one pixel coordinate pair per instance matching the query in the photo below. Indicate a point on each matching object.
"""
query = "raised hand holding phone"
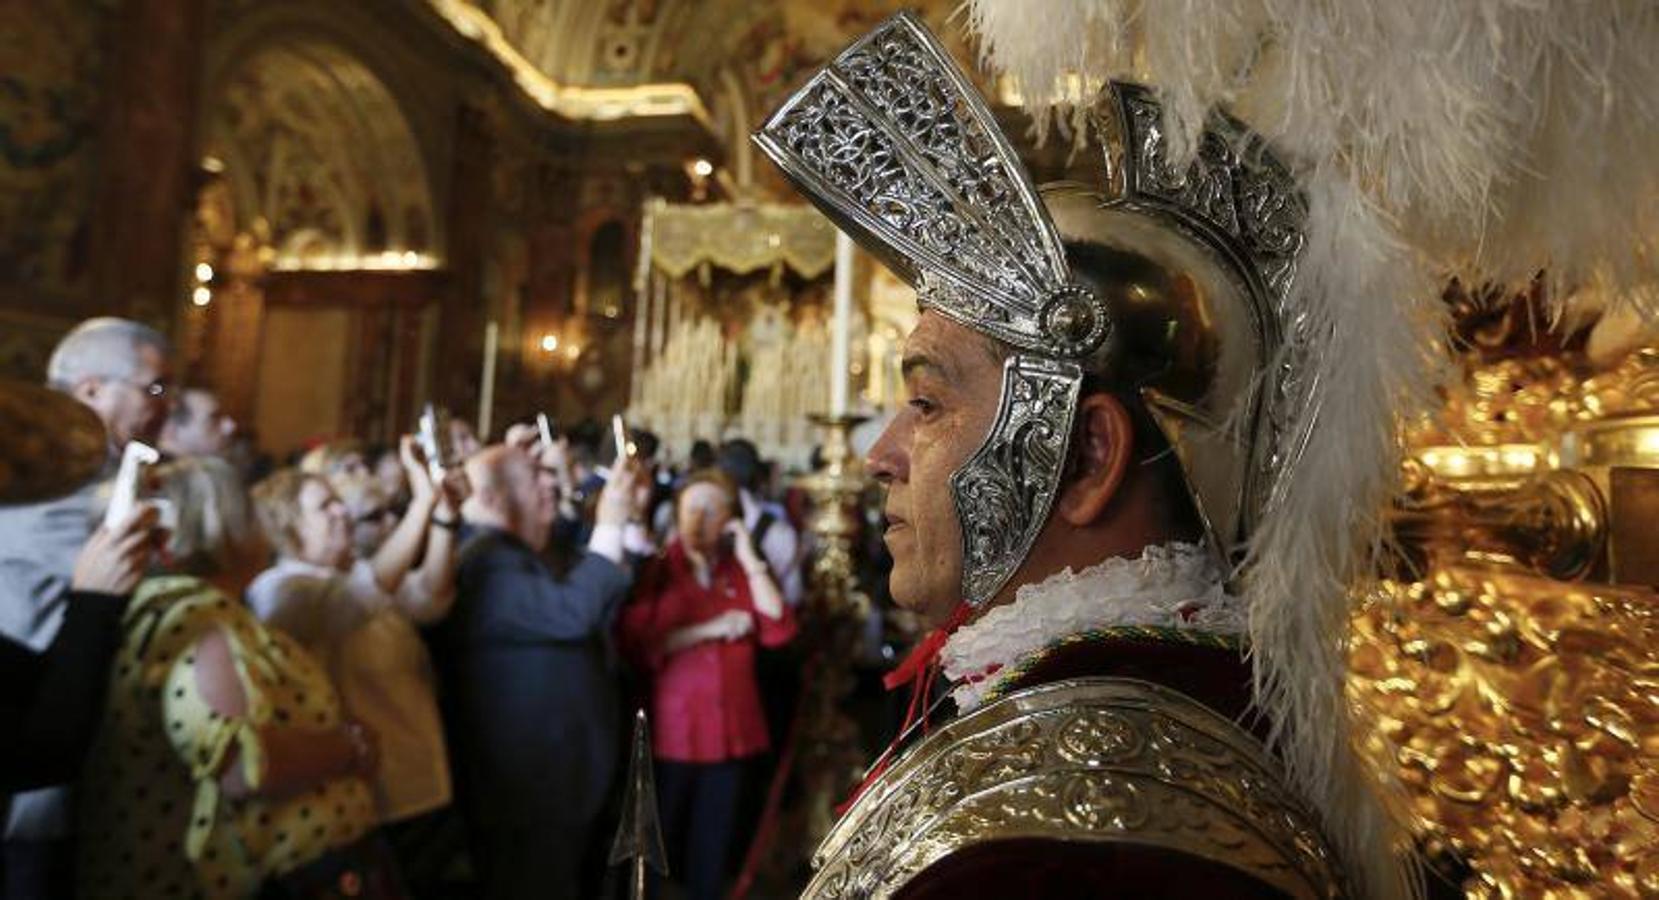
(116, 557)
(123, 498)
(416, 467)
(617, 498)
(436, 442)
(743, 545)
(619, 433)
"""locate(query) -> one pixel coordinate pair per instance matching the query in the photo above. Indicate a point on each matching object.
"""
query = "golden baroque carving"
(1520, 712)
(1524, 717)
(1530, 400)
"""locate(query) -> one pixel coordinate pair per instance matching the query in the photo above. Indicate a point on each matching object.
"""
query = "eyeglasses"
(156, 389)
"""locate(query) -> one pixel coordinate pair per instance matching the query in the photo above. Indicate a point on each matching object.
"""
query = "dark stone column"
(145, 181)
(458, 354)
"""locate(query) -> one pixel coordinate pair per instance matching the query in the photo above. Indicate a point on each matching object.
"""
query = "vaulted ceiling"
(741, 56)
(625, 42)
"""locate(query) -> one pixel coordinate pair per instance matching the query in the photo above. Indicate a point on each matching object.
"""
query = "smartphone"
(620, 433)
(135, 458)
(544, 426)
(434, 438)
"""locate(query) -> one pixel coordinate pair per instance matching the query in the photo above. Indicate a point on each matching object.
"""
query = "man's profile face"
(528, 504)
(953, 382)
(206, 430)
(463, 438)
(133, 407)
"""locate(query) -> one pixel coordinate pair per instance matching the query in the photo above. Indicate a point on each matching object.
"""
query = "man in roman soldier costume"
(1100, 384)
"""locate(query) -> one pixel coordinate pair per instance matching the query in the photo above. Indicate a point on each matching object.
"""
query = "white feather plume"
(1499, 135)
(1491, 138)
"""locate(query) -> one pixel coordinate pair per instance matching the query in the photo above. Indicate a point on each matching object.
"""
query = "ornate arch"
(315, 144)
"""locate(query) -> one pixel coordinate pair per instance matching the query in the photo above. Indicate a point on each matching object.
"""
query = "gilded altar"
(1511, 663)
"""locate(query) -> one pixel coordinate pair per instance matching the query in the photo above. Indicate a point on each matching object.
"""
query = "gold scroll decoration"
(1521, 717)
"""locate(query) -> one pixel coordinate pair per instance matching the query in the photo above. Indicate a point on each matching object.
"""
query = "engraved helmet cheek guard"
(892, 142)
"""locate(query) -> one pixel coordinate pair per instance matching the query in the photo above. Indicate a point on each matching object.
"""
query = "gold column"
(233, 363)
(831, 757)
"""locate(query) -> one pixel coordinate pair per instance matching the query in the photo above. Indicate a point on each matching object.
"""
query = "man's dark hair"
(740, 459)
(645, 443)
(1140, 353)
(702, 455)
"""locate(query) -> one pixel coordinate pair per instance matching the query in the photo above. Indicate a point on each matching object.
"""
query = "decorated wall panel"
(49, 107)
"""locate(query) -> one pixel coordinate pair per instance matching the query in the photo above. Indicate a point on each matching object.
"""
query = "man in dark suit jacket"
(529, 686)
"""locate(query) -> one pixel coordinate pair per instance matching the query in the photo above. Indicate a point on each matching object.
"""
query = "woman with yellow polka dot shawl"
(223, 762)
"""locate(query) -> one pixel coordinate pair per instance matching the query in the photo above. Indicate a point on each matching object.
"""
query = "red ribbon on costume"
(919, 669)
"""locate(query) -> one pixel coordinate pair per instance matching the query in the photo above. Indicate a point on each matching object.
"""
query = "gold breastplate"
(1107, 760)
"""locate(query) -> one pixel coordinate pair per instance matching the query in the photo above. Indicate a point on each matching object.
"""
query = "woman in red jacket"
(698, 613)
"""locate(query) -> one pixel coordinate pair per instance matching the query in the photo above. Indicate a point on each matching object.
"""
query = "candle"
(642, 321)
(842, 323)
(486, 390)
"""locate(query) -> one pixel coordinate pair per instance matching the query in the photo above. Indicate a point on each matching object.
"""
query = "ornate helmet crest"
(892, 142)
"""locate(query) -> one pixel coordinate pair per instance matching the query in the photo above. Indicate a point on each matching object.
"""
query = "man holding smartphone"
(527, 675)
(122, 371)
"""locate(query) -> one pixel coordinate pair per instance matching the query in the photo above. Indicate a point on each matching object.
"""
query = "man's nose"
(889, 458)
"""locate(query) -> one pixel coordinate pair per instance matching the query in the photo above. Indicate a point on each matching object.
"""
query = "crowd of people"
(364, 674)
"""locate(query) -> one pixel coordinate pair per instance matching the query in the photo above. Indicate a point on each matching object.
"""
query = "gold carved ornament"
(1522, 717)
(1510, 672)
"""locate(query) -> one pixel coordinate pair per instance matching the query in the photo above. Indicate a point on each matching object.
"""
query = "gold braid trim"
(1006, 678)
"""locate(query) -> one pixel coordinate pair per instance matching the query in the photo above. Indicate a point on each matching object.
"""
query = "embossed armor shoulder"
(1092, 760)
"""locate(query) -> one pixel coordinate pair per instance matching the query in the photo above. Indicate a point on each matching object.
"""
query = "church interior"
(345, 216)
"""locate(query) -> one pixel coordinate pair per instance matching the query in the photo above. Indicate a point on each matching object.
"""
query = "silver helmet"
(1167, 281)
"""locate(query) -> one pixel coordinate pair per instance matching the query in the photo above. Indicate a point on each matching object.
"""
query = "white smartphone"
(544, 426)
(620, 433)
(135, 458)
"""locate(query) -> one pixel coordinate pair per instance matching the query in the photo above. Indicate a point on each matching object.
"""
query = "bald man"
(530, 688)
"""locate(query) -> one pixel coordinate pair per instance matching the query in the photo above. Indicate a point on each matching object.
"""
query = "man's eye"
(923, 406)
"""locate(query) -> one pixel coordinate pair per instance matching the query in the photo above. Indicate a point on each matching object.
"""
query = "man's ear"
(1106, 443)
(86, 390)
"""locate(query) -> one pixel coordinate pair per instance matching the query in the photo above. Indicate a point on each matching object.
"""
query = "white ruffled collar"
(1173, 585)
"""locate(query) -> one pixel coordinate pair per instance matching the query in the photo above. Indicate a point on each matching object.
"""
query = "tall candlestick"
(486, 389)
(842, 324)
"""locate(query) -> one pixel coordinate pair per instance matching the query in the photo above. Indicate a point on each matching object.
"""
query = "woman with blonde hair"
(360, 619)
(213, 533)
